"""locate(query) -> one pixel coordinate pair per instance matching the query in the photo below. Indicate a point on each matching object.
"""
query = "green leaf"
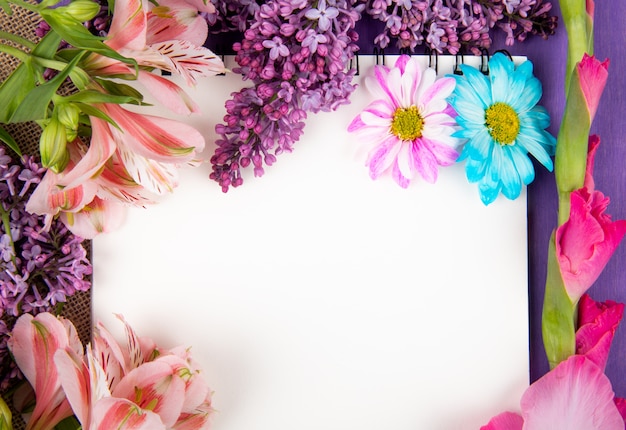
(35, 104)
(78, 36)
(16, 87)
(5, 416)
(121, 89)
(5, 6)
(8, 139)
(91, 96)
(92, 111)
(69, 423)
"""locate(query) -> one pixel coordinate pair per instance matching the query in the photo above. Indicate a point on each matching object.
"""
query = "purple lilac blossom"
(455, 25)
(296, 55)
(41, 262)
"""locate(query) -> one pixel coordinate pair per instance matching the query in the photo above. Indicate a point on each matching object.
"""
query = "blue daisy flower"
(501, 122)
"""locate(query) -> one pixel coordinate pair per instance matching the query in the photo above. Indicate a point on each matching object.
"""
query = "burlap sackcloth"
(24, 23)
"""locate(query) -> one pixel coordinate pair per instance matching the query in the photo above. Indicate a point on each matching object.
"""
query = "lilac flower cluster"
(296, 53)
(453, 25)
(40, 264)
(231, 15)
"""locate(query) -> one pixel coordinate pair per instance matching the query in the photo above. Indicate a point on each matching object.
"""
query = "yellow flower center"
(407, 123)
(502, 122)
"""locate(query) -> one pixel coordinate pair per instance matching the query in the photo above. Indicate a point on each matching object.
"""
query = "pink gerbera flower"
(409, 124)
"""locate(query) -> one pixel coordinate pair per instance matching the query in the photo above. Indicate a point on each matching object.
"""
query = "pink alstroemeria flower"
(33, 343)
(409, 125)
(161, 388)
(123, 164)
(597, 323)
(586, 242)
(575, 395)
(131, 386)
(167, 37)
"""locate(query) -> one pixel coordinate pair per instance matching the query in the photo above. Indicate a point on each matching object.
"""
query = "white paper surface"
(315, 298)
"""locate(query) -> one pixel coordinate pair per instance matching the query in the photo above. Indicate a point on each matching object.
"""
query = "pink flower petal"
(593, 75)
(33, 343)
(156, 386)
(575, 395)
(157, 138)
(597, 323)
(121, 414)
(97, 217)
(588, 239)
(383, 156)
(128, 26)
(168, 93)
(75, 380)
(190, 61)
(505, 421)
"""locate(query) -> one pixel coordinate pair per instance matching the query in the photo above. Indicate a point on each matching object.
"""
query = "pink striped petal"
(75, 380)
(383, 156)
(155, 386)
(122, 414)
(97, 217)
(439, 90)
(197, 391)
(199, 419)
(33, 343)
(180, 21)
(157, 138)
(190, 61)
(128, 26)
(168, 93)
(89, 162)
(158, 178)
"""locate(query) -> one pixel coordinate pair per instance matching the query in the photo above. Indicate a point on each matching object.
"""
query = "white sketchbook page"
(316, 298)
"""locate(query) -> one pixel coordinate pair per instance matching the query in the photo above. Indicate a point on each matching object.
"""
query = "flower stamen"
(502, 123)
(407, 123)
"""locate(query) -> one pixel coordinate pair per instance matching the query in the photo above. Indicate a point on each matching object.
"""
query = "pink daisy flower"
(410, 123)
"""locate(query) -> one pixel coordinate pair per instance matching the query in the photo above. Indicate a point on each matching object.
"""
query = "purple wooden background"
(549, 58)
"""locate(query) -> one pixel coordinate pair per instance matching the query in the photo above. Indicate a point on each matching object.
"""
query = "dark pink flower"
(587, 240)
(597, 323)
(593, 75)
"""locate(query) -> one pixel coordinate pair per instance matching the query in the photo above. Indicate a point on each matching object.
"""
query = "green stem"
(6, 224)
(26, 5)
(558, 320)
(17, 39)
(17, 53)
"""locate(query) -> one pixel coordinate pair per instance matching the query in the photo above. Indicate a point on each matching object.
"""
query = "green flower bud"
(80, 10)
(53, 145)
(68, 115)
(5, 416)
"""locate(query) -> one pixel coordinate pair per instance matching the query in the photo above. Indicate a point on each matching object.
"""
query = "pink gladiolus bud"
(597, 323)
(587, 240)
(593, 75)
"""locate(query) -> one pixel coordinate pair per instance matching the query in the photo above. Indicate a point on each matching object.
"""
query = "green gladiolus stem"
(579, 26)
(558, 321)
(570, 162)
